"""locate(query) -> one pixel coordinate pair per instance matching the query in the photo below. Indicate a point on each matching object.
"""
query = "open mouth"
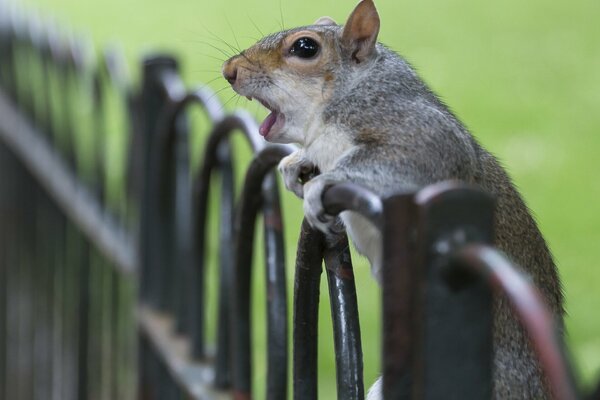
(273, 122)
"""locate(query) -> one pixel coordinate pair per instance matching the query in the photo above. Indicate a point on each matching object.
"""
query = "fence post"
(455, 307)
(150, 104)
(398, 295)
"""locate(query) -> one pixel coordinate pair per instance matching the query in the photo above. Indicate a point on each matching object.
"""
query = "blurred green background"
(523, 76)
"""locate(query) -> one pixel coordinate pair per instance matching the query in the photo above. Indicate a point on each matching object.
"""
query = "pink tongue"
(267, 124)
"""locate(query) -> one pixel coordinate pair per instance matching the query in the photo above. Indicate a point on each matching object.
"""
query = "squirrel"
(360, 113)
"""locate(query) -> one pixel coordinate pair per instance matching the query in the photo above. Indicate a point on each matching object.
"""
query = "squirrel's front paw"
(314, 210)
(296, 170)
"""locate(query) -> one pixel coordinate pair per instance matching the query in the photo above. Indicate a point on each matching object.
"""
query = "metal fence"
(103, 276)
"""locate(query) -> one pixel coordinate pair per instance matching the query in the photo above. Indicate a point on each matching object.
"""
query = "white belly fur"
(366, 239)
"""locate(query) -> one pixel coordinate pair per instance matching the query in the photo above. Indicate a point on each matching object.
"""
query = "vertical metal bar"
(306, 312)
(226, 273)
(99, 135)
(5, 243)
(117, 336)
(11, 186)
(151, 103)
(455, 314)
(398, 296)
(105, 269)
(244, 248)
(344, 313)
(182, 212)
(277, 322)
(83, 319)
(56, 229)
(43, 340)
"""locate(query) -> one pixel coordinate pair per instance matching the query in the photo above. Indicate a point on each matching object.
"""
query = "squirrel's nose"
(230, 70)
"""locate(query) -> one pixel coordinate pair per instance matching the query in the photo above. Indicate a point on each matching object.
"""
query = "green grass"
(524, 76)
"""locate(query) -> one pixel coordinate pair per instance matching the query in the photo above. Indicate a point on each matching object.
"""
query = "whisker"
(222, 60)
(233, 32)
(226, 54)
(228, 100)
(255, 26)
(212, 80)
(221, 40)
(281, 16)
(217, 92)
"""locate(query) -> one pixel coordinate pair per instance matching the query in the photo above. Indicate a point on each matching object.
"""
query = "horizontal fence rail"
(104, 244)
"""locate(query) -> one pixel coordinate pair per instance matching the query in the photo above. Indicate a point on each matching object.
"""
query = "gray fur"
(391, 133)
(419, 142)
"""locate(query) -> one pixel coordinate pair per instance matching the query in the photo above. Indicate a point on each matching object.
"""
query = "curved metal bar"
(113, 64)
(307, 285)
(344, 313)
(353, 197)
(200, 190)
(207, 99)
(172, 138)
(531, 310)
(169, 132)
(223, 359)
(256, 183)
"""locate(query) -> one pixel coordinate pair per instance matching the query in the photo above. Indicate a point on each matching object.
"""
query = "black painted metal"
(306, 311)
(71, 255)
(344, 313)
(259, 190)
(453, 324)
(508, 280)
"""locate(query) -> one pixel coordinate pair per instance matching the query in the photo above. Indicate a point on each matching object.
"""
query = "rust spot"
(237, 395)
(341, 270)
(273, 221)
(345, 272)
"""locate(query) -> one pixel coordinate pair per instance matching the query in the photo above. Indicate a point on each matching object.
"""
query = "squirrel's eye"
(304, 48)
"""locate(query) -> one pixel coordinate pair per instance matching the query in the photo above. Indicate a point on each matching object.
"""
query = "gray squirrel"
(360, 113)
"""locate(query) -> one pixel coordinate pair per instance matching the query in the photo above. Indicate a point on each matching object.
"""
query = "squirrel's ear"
(325, 21)
(361, 29)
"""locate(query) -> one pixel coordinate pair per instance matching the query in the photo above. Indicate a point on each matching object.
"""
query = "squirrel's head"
(294, 73)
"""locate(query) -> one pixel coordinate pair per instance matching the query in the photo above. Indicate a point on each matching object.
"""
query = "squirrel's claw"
(296, 170)
(301, 177)
(314, 211)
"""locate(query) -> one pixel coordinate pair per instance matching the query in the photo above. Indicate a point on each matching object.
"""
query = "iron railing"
(92, 263)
